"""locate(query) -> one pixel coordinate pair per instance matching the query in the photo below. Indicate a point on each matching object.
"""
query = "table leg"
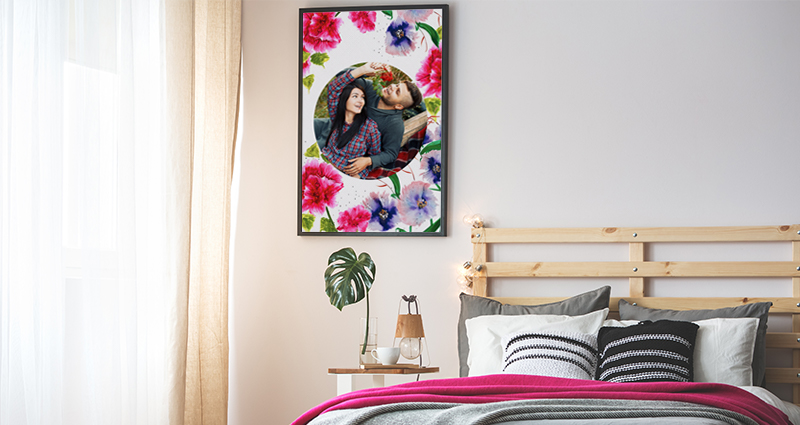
(344, 383)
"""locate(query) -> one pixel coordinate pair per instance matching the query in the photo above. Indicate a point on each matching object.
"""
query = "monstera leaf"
(348, 278)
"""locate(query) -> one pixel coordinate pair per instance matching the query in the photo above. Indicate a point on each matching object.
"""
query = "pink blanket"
(492, 388)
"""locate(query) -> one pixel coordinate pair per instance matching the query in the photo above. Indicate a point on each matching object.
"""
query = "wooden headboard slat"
(638, 234)
(783, 340)
(783, 375)
(644, 269)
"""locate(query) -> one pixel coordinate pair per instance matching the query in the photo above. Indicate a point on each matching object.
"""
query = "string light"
(468, 273)
(474, 220)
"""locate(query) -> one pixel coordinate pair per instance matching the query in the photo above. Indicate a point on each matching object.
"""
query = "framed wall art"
(372, 130)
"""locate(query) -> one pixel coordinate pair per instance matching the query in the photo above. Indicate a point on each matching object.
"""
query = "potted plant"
(348, 280)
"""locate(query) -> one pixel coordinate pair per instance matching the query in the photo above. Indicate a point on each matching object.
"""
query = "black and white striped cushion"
(559, 354)
(647, 352)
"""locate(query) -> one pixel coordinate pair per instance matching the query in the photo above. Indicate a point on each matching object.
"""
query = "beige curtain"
(203, 60)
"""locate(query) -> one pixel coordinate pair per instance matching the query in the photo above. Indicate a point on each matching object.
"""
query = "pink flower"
(364, 20)
(321, 31)
(414, 15)
(430, 73)
(354, 220)
(306, 64)
(321, 183)
(417, 203)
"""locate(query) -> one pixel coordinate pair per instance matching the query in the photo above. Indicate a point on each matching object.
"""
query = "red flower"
(387, 76)
(321, 183)
(321, 31)
(364, 20)
(430, 74)
(355, 219)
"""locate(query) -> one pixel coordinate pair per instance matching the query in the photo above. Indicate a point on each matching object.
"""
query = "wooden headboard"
(638, 268)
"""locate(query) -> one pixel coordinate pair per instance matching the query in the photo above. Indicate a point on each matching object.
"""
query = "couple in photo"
(365, 130)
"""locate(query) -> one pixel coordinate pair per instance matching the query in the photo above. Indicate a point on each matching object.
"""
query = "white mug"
(386, 355)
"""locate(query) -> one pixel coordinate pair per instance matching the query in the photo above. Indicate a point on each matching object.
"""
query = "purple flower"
(433, 134)
(384, 211)
(400, 38)
(414, 15)
(417, 203)
(432, 166)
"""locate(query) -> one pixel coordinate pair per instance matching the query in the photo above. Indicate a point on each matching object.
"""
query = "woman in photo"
(353, 134)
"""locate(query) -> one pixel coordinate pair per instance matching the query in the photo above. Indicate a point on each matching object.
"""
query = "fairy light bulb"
(474, 220)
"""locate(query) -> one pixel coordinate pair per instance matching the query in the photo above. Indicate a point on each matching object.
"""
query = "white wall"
(567, 113)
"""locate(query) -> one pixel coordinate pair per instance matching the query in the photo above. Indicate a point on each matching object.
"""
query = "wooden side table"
(345, 378)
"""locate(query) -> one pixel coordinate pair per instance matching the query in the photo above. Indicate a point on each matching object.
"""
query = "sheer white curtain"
(93, 235)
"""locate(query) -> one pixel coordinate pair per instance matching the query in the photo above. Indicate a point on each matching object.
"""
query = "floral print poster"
(372, 125)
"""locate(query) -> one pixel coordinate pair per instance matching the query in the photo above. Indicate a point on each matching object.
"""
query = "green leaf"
(439, 32)
(434, 227)
(376, 85)
(320, 59)
(432, 146)
(400, 230)
(348, 278)
(306, 55)
(432, 104)
(431, 31)
(388, 13)
(308, 81)
(395, 185)
(308, 222)
(327, 225)
(312, 151)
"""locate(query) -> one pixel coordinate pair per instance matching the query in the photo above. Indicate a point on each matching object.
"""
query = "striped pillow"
(647, 352)
(559, 354)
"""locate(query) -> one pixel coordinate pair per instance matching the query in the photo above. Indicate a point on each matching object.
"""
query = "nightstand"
(346, 377)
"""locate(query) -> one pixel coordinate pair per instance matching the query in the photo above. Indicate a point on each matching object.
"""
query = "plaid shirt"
(367, 141)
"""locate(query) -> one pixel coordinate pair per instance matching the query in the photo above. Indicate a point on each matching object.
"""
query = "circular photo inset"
(370, 120)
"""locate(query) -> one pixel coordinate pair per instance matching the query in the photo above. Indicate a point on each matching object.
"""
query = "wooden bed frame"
(637, 269)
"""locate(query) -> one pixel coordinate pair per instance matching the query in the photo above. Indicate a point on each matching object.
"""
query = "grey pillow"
(629, 311)
(474, 306)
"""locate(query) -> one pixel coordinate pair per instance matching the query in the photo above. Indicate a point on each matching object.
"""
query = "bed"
(593, 358)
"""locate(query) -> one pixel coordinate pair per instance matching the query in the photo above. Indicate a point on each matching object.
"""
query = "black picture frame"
(407, 195)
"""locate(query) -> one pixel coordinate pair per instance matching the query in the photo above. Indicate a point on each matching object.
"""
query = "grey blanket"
(528, 410)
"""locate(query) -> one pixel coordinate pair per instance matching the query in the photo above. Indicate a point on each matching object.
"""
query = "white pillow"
(484, 334)
(723, 350)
